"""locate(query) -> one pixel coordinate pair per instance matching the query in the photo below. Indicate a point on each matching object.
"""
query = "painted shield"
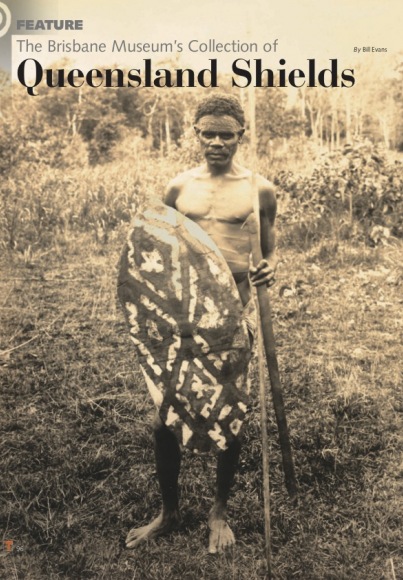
(185, 318)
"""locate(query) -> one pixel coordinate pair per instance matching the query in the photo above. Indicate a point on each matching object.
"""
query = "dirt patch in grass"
(77, 467)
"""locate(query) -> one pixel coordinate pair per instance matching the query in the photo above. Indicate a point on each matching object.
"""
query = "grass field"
(77, 467)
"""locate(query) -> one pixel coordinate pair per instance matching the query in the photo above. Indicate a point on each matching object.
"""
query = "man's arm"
(171, 194)
(175, 187)
(264, 272)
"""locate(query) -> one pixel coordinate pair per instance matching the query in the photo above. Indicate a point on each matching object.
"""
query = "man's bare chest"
(222, 199)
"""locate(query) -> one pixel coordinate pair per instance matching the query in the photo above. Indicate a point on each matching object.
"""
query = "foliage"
(57, 204)
(276, 119)
(355, 186)
(372, 109)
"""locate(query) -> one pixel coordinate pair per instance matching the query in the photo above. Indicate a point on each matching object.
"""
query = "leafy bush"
(355, 184)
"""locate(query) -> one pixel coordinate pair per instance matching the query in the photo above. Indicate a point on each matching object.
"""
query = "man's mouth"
(216, 155)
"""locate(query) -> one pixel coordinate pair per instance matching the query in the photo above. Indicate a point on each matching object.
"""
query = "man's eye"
(211, 135)
(207, 135)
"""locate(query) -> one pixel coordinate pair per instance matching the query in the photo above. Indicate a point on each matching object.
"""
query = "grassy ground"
(77, 469)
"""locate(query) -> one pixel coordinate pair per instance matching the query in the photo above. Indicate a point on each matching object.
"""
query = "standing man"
(219, 196)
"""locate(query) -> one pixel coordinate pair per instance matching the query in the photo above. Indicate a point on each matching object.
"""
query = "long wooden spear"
(267, 342)
(265, 446)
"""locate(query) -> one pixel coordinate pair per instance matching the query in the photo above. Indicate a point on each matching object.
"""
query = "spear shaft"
(265, 319)
(266, 328)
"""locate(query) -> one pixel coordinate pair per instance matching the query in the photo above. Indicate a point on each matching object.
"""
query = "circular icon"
(5, 19)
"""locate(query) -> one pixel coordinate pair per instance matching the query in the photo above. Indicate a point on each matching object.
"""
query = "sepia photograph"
(201, 329)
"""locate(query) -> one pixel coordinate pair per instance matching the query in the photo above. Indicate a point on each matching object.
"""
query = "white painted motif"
(217, 436)
(152, 262)
(156, 393)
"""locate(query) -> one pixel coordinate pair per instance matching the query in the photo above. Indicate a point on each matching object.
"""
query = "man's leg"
(168, 458)
(221, 534)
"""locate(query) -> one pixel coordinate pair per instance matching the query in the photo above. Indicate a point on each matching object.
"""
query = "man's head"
(220, 105)
(219, 125)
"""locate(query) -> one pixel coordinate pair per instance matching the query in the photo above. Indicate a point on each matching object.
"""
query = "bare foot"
(161, 525)
(221, 535)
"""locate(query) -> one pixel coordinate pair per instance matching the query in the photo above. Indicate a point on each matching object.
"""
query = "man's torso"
(220, 205)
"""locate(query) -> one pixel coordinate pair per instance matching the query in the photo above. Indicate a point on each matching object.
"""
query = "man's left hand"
(263, 273)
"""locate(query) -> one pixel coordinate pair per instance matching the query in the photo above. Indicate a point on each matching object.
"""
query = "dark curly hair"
(220, 104)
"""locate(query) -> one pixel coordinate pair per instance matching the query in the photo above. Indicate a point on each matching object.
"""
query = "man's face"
(219, 136)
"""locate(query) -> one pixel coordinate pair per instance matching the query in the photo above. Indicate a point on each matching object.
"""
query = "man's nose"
(217, 141)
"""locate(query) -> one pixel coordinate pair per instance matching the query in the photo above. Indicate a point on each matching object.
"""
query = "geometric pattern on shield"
(185, 318)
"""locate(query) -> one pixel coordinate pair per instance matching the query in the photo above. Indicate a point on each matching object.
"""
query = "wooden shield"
(185, 318)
